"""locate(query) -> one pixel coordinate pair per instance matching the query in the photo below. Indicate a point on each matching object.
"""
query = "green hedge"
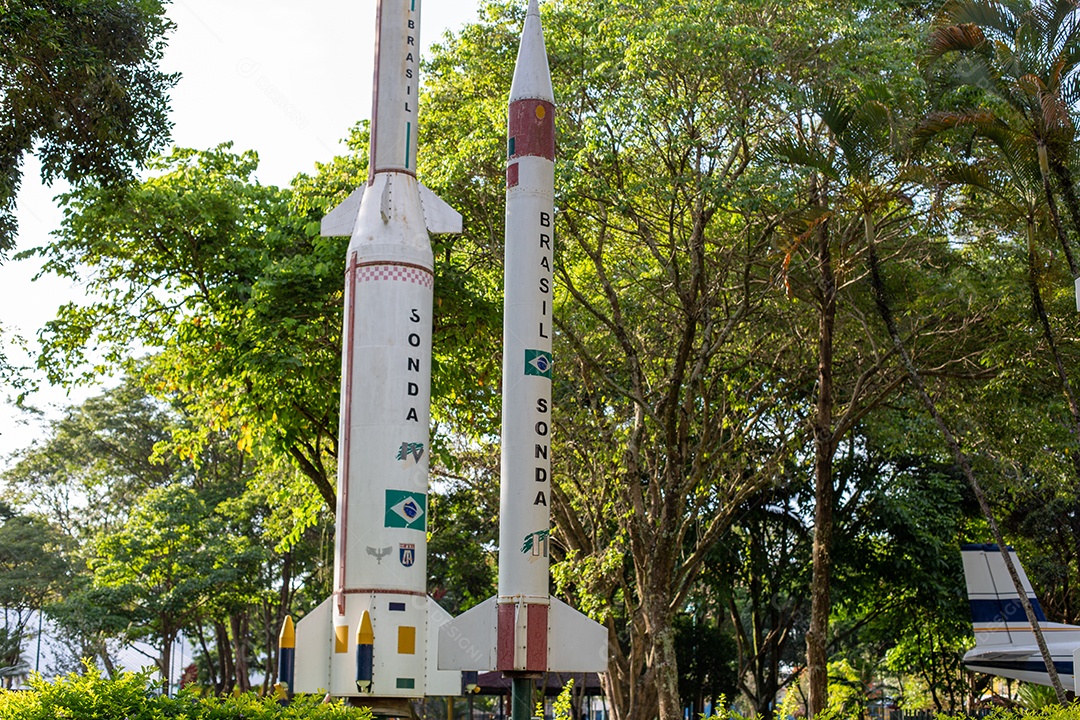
(133, 696)
(1050, 712)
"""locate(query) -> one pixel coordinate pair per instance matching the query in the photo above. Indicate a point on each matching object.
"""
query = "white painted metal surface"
(525, 489)
(524, 629)
(380, 559)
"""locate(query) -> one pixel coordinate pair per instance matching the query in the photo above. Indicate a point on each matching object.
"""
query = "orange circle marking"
(540, 112)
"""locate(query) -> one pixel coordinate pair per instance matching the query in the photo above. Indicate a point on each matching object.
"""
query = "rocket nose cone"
(287, 636)
(532, 79)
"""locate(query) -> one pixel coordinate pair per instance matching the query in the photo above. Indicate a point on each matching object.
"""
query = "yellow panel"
(406, 640)
(341, 638)
(364, 633)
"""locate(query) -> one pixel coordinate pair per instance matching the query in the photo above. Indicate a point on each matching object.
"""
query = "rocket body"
(523, 630)
(525, 480)
(376, 635)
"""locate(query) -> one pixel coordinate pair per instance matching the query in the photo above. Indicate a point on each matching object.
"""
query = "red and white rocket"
(523, 630)
(375, 637)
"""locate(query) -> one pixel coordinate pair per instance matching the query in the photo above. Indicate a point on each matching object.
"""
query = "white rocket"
(524, 630)
(375, 637)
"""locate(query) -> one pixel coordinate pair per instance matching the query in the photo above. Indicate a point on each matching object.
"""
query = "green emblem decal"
(535, 544)
(538, 362)
(406, 509)
(410, 449)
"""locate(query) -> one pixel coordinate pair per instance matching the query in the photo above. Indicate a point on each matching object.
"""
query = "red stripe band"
(531, 129)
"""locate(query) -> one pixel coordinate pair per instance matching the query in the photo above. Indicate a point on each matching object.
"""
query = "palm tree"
(840, 144)
(1013, 176)
(1023, 61)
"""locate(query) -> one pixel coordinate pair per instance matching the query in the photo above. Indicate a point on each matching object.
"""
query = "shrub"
(134, 696)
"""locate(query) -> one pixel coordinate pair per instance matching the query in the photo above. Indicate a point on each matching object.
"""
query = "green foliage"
(462, 534)
(155, 543)
(80, 88)
(134, 696)
(706, 655)
(686, 369)
(722, 710)
(95, 462)
(34, 560)
(1036, 697)
(35, 570)
(1048, 712)
(229, 283)
(562, 708)
(847, 692)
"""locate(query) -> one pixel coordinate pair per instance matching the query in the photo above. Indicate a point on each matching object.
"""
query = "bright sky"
(284, 78)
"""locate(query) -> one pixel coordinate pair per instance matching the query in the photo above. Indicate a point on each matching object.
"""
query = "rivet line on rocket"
(343, 511)
(384, 591)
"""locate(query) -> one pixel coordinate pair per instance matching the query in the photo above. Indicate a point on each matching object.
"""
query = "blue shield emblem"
(407, 554)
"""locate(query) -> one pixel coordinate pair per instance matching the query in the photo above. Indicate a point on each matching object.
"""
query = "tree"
(231, 284)
(34, 570)
(899, 577)
(1018, 64)
(761, 573)
(207, 267)
(119, 457)
(95, 462)
(172, 558)
(858, 189)
(705, 654)
(85, 477)
(463, 531)
(661, 432)
(79, 88)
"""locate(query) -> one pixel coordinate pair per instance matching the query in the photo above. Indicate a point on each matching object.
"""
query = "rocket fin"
(439, 681)
(576, 643)
(468, 642)
(439, 217)
(314, 645)
(340, 221)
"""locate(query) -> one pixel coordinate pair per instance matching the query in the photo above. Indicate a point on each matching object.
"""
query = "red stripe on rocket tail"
(506, 619)
(531, 129)
(536, 638)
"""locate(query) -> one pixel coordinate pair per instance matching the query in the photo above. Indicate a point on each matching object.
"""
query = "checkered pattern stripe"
(402, 273)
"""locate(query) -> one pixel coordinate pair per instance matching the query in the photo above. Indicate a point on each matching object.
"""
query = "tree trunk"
(1048, 334)
(817, 660)
(106, 657)
(212, 666)
(1051, 204)
(1068, 192)
(238, 621)
(665, 664)
(166, 657)
(225, 657)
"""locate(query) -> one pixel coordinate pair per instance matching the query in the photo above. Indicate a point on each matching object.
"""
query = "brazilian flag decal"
(538, 362)
(406, 509)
